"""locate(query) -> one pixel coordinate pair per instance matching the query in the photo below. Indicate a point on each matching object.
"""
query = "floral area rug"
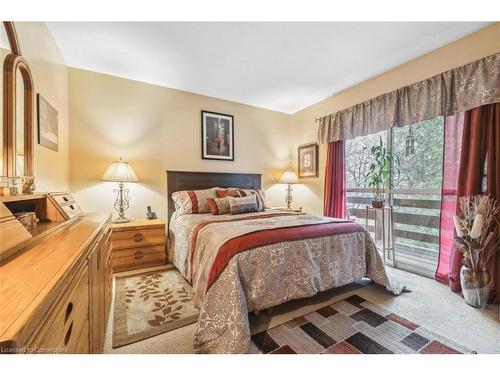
(150, 303)
(353, 326)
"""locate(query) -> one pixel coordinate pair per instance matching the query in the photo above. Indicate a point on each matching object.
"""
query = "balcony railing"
(416, 225)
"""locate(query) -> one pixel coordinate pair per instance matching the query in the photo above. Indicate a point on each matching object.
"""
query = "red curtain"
(334, 189)
(493, 180)
(480, 142)
(453, 126)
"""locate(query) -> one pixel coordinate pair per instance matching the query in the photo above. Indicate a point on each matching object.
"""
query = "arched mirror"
(19, 131)
(18, 110)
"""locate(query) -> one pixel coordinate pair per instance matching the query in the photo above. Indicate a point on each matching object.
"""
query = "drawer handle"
(138, 255)
(138, 237)
(69, 309)
(65, 199)
(68, 334)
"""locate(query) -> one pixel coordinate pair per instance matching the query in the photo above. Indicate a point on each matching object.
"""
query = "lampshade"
(289, 177)
(119, 171)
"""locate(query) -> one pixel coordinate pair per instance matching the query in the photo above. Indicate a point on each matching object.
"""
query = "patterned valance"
(455, 90)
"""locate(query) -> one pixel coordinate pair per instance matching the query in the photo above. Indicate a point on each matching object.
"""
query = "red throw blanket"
(272, 236)
(204, 224)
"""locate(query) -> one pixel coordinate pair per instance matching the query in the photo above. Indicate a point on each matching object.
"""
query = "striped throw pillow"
(193, 201)
(243, 205)
(261, 197)
(219, 206)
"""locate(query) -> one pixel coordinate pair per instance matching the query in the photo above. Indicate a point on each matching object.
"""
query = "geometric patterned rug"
(353, 326)
(150, 303)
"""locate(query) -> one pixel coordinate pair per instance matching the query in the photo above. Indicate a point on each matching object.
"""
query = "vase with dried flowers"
(478, 239)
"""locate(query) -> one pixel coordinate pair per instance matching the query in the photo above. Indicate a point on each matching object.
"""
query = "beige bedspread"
(264, 276)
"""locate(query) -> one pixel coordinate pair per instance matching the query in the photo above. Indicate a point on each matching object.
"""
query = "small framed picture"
(217, 136)
(308, 160)
(48, 132)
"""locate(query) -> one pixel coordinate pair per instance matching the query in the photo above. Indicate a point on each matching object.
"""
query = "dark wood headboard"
(177, 181)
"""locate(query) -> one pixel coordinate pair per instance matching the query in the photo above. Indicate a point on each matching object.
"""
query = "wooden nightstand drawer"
(69, 320)
(136, 238)
(138, 257)
(138, 244)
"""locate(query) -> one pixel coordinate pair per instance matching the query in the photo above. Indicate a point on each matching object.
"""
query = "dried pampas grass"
(478, 230)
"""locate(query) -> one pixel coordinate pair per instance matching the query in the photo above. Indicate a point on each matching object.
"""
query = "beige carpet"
(430, 304)
(151, 303)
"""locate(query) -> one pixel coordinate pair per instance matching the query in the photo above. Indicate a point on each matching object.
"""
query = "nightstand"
(138, 244)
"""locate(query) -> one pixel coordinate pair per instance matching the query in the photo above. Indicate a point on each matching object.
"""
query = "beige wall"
(158, 129)
(50, 76)
(303, 129)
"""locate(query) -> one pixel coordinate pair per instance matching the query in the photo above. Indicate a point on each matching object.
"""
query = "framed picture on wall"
(48, 132)
(308, 160)
(217, 136)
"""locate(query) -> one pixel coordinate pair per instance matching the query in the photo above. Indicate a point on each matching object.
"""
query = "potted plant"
(379, 172)
(478, 239)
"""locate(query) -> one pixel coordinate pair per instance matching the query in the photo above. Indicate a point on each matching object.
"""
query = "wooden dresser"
(55, 290)
(138, 244)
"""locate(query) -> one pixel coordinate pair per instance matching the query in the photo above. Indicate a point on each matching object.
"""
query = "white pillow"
(193, 201)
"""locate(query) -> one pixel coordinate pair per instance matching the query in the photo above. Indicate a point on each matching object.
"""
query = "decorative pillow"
(222, 193)
(193, 201)
(243, 205)
(264, 199)
(260, 195)
(219, 206)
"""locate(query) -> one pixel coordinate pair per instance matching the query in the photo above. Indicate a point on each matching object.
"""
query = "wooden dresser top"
(33, 279)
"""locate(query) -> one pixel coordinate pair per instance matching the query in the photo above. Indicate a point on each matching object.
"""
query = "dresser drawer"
(83, 343)
(68, 322)
(138, 257)
(137, 238)
(106, 249)
(108, 285)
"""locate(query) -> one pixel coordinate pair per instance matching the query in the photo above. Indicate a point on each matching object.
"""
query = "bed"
(250, 262)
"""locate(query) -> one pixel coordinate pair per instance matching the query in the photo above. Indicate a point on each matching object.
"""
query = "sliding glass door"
(414, 191)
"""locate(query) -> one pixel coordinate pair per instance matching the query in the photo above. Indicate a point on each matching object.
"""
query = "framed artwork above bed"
(217, 136)
(308, 161)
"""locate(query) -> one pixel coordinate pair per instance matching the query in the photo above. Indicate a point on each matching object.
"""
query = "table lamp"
(120, 171)
(289, 177)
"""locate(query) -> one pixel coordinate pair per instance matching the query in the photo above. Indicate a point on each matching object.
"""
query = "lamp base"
(122, 220)
(121, 204)
(288, 199)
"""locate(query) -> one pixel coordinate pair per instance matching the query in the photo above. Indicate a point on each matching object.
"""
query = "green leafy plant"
(380, 168)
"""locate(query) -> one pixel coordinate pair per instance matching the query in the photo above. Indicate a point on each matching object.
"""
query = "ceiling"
(280, 66)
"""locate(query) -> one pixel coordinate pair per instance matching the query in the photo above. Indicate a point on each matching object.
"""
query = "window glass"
(358, 159)
(421, 169)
